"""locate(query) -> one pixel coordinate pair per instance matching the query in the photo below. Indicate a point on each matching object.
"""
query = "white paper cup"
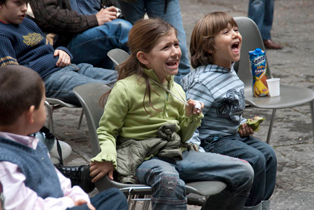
(273, 86)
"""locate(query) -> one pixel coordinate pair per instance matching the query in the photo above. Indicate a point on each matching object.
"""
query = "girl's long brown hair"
(142, 37)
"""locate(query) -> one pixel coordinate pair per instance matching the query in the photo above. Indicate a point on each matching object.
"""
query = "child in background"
(23, 43)
(215, 46)
(146, 122)
(28, 179)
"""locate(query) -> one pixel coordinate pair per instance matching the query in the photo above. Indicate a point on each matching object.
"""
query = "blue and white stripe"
(222, 93)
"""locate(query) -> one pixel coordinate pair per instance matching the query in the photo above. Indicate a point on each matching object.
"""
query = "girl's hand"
(245, 130)
(191, 108)
(100, 169)
(64, 59)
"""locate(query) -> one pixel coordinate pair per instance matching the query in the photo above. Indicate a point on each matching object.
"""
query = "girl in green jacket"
(143, 100)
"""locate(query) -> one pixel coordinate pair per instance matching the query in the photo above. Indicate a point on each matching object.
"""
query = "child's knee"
(170, 185)
(247, 173)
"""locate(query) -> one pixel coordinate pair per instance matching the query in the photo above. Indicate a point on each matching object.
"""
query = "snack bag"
(254, 123)
(258, 67)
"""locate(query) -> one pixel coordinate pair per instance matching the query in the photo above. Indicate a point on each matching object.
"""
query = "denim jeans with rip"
(167, 179)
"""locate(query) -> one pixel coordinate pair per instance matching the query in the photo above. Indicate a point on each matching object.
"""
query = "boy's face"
(39, 115)
(228, 44)
(13, 11)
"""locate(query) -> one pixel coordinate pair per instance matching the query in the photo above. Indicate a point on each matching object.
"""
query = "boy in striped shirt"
(215, 46)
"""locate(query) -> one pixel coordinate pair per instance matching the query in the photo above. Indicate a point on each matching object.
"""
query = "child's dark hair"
(4, 1)
(143, 37)
(20, 88)
(204, 32)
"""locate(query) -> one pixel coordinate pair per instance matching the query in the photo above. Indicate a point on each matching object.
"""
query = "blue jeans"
(134, 11)
(112, 199)
(167, 179)
(92, 45)
(260, 155)
(262, 13)
(60, 84)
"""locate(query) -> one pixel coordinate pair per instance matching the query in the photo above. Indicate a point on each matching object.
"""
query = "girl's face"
(228, 44)
(164, 58)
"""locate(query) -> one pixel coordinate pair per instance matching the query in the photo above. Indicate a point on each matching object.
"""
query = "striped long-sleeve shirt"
(222, 93)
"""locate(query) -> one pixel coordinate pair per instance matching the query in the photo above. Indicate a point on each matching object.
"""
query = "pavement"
(292, 137)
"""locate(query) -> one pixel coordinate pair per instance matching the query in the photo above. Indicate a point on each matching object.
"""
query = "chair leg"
(270, 126)
(146, 202)
(312, 116)
(134, 201)
(80, 122)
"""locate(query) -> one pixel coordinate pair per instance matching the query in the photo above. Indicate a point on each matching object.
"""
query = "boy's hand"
(100, 169)
(245, 130)
(106, 15)
(64, 59)
(82, 202)
(191, 109)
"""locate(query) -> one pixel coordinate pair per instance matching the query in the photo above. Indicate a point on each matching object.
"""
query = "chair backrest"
(251, 39)
(118, 56)
(89, 95)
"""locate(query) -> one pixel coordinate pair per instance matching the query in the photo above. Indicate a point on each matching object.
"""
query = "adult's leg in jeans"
(268, 19)
(60, 84)
(92, 45)
(132, 11)
(168, 190)
(262, 158)
(156, 8)
(236, 173)
(112, 199)
(256, 12)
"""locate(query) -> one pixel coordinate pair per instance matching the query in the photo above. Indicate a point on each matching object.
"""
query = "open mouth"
(172, 63)
(235, 47)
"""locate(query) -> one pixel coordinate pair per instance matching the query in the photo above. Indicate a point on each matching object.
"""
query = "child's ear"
(142, 57)
(208, 51)
(29, 114)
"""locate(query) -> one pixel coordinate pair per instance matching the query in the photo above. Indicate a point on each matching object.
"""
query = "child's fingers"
(94, 171)
(90, 206)
(251, 131)
(98, 176)
(80, 202)
(110, 174)
(56, 52)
